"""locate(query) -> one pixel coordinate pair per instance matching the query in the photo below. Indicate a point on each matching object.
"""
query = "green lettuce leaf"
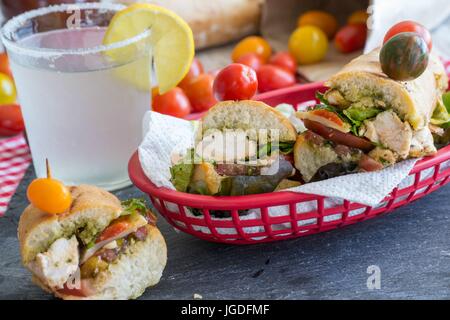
(134, 205)
(358, 114)
(441, 114)
(181, 175)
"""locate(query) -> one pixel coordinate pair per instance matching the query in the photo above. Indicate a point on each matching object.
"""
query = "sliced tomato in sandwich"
(339, 137)
(325, 117)
(85, 290)
(118, 229)
(113, 230)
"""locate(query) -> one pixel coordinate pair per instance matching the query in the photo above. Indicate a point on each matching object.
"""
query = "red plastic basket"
(174, 206)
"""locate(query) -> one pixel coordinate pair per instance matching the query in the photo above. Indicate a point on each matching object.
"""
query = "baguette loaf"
(214, 22)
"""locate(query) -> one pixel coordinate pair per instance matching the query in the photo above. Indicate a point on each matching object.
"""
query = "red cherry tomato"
(235, 82)
(200, 92)
(251, 60)
(195, 70)
(11, 120)
(409, 26)
(4, 64)
(284, 60)
(272, 77)
(351, 37)
(174, 103)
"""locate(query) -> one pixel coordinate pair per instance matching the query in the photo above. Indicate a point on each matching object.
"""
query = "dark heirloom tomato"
(404, 57)
(409, 26)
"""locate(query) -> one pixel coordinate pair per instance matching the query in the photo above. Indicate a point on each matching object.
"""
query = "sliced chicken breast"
(55, 266)
(388, 130)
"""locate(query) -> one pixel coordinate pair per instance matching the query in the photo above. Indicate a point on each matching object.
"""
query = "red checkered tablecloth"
(14, 160)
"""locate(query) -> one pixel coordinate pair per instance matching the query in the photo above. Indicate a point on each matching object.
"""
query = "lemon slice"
(171, 41)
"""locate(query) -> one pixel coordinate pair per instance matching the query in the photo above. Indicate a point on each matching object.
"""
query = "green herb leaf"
(321, 97)
(134, 205)
(286, 147)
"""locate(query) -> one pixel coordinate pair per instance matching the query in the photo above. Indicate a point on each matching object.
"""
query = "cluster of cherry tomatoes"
(309, 42)
(193, 94)
(255, 69)
(11, 121)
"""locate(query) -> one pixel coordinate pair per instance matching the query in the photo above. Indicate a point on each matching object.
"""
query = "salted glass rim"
(10, 28)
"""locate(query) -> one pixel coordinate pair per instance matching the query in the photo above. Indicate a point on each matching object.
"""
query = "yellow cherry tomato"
(321, 19)
(357, 17)
(7, 89)
(308, 44)
(49, 195)
(252, 44)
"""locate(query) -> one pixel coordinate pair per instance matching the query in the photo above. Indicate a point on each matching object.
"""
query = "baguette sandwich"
(367, 121)
(99, 249)
(241, 148)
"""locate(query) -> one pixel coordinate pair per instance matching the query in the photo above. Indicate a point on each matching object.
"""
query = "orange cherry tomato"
(195, 70)
(49, 195)
(4, 64)
(409, 26)
(251, 60)
(252, 44)
(174, 103)
(350, 38)
(358, 17)
(200, 92)
(321, 19)
(284, 60)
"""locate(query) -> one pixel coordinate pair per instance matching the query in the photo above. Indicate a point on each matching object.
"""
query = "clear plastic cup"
(82, 106)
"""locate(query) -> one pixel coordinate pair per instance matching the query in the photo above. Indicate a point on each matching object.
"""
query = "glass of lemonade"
(82, 105)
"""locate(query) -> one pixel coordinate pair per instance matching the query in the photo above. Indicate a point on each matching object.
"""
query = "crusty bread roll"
(248, 115)
(414, 100)
(141, 267)
(309, 158)
(214, 22)
(92, 210)
(38, 229)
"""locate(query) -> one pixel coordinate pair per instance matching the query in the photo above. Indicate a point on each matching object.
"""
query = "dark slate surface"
(411, 246)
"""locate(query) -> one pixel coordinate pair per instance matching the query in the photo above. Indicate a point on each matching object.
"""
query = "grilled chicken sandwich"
(99, 249)
(367, 121)
(241, 147)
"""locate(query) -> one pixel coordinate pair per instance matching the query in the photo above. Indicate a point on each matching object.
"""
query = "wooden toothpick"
(49, 174)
